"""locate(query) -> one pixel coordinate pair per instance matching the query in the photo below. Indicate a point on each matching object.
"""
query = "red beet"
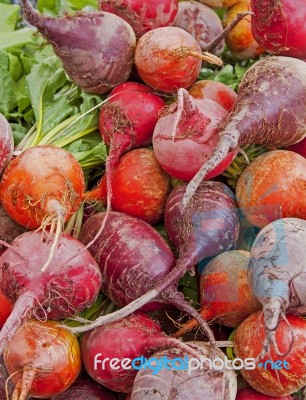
(270, 111)
(130, 338)
(144, 15)
(201, 22)
(71, 283)
(279, 26)
(96, 48)
(186, 135)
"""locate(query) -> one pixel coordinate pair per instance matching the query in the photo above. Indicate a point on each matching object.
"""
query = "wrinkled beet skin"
(210, 223)
(85, 388)
(251, 394)
(6, 142)
(131, 254)
(96, 49)
(201, 22)
(18, 276)
(142, 15)
(279, 83)
(279, 26)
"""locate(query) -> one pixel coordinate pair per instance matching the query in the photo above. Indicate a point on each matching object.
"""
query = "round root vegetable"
(213, 90)
(139, 186)
(225, 293)
(42, 359)
(209, 226)
(299, 148)
(276, 375)
(96, 48)
(6, 142)
(5, 308)
(270, 110)
(240, 39)
(279, 26)
(201, 22)
(9, 230)
(144, 15)
(169, 58)
(273, 186)
(179, 383)
(43, 185)
(186, 135)
(251, 394)
(130, 338)
(72, 284)
(85, 388)
(131, 255)
(277, 272)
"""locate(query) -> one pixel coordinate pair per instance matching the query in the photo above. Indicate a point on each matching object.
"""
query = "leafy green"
(8, 17)
(59, 7)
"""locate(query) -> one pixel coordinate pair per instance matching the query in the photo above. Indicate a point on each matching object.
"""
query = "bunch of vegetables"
(152, 189)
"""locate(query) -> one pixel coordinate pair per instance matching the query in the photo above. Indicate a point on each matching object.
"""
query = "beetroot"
(208, 227)
(96, 48)
(201, 22)
(270, 110)
(144, 15)
(170, 58)
(131, 255)
(71, 284)
(9, 229)
(276, 273)
(186, 135)
(133, 337)
(6, 142)
(181, 384)
(279, 26)
(251, 394)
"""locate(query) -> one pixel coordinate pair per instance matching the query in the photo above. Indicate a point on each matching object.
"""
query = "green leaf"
(11, 41)
(7, 92)
(18, 132)
(4, 59)
(9, 14)
(15, 68)
(43, 82)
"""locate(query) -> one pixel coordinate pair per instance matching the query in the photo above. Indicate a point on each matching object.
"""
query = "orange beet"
(248, 341)
(240, 40)
(5, 308)
(51, 354)
(42, 182)
(273, 186)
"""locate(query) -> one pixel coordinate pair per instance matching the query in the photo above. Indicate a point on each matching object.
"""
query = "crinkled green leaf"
(44, 81)
(7, 92)
(12, 41)
(15, 67)
(8, 17)
(19, 132)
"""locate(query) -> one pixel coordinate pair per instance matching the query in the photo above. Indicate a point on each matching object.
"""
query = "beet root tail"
(31, 15)
(21, 312)
(226, 143)
(23, 386)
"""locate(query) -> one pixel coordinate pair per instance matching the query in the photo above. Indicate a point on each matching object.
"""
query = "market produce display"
(152, 200)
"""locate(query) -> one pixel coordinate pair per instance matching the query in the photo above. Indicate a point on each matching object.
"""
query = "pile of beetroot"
(164, 212)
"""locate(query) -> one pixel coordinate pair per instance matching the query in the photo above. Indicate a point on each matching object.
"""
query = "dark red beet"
(144, 15)
(251, 394)
(9, 229)
(85, 388)
(96, 48)
(126, 245)
(70, 284)
(201, 22)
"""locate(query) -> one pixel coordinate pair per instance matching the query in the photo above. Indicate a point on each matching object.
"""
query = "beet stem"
(24, 304)
(211, 45)
(31, 15)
